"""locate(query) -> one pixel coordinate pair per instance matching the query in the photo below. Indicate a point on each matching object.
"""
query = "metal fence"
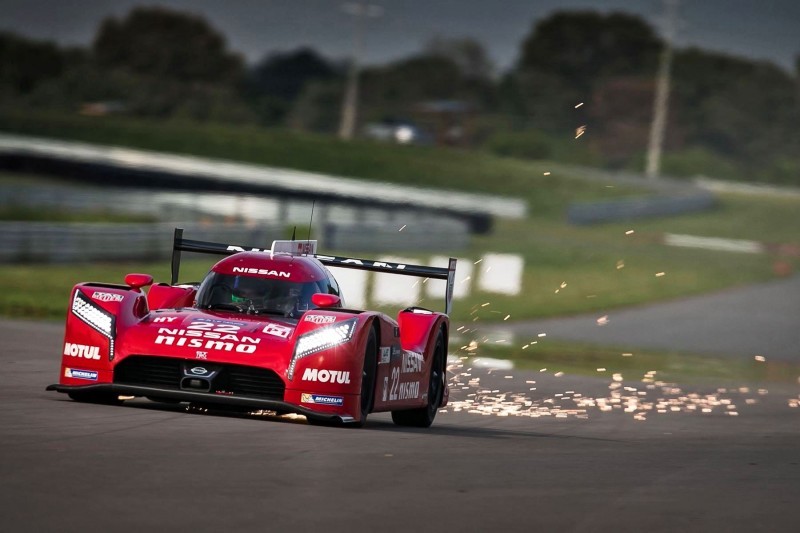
(44, 242)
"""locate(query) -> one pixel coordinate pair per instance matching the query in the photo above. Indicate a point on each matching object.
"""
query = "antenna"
(311, 220)
(294, 232)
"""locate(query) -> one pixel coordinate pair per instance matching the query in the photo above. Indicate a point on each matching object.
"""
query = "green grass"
(605, 361)
(603, 268)
(409, 165)
(42, 291)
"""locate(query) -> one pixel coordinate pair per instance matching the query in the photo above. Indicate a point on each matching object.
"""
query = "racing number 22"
(395, 383)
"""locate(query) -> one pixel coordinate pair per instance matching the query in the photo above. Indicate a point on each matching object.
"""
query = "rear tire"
(423, 417)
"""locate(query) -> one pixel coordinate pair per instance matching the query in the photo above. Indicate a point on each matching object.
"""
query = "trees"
(725, 110)
(276, 82)
(467, 54)
(162, 43)
(569, 54)
(741, 109)
(171, 64)
(25, 63)
(161, 63)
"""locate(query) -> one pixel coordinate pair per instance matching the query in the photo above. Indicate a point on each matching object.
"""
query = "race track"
(759, 319)
(588, 455)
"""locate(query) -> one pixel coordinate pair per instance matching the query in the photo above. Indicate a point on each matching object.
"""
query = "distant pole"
(360, 11)
(661, 100)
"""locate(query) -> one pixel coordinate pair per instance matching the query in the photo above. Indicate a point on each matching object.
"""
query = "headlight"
(321, 339)
(97, 318)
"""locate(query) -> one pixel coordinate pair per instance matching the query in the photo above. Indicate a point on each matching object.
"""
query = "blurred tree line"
(729, 117)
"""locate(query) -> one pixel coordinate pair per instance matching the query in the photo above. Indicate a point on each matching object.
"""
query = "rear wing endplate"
(444, 273)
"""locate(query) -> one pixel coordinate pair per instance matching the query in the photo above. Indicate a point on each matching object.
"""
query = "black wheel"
(367, 384)
(368, 378)
(423, 417)
(105, 398)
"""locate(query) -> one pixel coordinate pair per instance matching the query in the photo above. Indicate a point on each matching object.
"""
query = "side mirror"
(137, 281)
(320, 299)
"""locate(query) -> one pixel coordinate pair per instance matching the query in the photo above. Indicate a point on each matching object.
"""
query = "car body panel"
(120, 340)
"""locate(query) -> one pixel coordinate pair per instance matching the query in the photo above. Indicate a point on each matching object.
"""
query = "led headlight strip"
(321, 339)
(97, 318)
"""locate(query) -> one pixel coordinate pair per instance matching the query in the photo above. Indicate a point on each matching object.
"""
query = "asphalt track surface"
(577, 460)
(761, 319)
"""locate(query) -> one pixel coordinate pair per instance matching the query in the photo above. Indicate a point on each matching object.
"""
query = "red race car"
(267, 329)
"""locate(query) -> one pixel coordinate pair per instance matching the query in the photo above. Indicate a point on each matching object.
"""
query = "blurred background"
(576, 156)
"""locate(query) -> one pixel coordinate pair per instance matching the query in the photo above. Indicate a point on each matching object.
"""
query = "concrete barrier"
(636, 208)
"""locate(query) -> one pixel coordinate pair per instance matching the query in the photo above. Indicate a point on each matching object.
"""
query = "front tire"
(367, 395)
(423, 417)
(368, 377)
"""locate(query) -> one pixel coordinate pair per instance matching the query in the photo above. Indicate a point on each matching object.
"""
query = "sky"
(758, 29)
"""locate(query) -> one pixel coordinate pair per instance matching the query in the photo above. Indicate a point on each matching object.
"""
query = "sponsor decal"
(240, 249)
(161, 319)
(81, 350)
(320, 319)
(218, 321)
(322, 399)
(261, 272)
(199, 371)
(360, 262)
(208, 336)
(397, 390)
(90, 375)
(412, 362)
(386, 355)
(107, 296)
(201, 355)
(326, 376)
(408, 390)
(277, 330)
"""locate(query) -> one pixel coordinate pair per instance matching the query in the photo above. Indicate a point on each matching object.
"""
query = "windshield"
(247, 294)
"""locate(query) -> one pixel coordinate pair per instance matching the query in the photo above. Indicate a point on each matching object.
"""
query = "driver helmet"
(247, 289)
(285, 297)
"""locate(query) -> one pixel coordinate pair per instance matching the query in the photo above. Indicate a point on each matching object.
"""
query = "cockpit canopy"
(265, 283)
(257, 295)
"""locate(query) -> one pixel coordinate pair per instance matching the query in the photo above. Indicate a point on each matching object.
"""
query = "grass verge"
(568, 269)
(605, 361)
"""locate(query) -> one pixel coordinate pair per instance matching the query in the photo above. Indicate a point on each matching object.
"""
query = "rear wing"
(448, 273)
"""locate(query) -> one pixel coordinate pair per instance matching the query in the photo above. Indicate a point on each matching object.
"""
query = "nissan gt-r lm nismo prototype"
(265, 330)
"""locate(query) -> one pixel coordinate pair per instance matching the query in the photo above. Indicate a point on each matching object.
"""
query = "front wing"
(201, 398)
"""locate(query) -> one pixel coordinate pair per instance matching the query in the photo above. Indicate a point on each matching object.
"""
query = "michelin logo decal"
(74, 373)
(322, 399)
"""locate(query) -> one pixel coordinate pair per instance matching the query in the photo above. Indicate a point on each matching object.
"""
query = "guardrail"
(45, 242)
(142, 167)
